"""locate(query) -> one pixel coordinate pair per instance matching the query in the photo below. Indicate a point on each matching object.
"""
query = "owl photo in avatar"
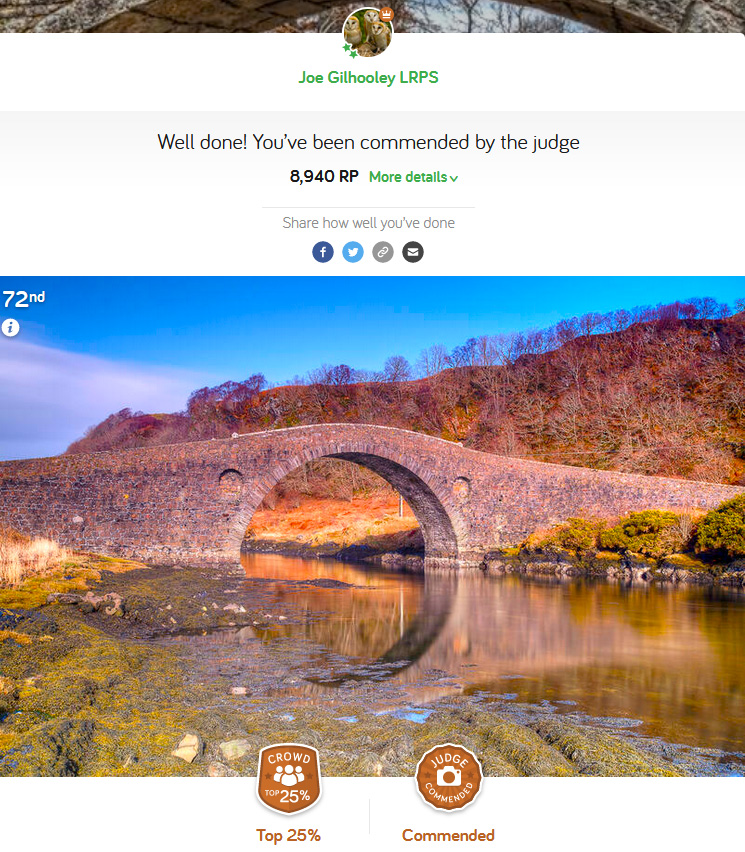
(353, 31)
(371, 17)
(365, 32)
(380, 36)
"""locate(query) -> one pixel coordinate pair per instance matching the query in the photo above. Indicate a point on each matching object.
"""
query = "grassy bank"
(22, 557)
(32, 569)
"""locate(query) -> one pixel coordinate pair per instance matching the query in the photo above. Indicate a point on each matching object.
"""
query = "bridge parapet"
(192, 502)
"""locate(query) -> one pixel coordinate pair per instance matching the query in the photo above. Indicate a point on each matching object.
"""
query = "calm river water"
(666, 661)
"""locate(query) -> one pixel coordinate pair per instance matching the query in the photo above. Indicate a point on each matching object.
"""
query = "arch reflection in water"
(355, 612)
(668, 658)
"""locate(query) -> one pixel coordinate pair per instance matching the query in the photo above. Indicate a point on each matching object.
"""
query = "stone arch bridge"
(192, 502)
(625, 16)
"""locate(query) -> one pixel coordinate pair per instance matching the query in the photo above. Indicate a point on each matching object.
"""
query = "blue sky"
(232, 327)
(100, 344)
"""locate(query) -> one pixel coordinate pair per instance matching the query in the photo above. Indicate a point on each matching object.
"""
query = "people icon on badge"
(289, 776)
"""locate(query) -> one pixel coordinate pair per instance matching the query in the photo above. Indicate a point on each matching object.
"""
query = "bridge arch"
(434, 507)
(614, 16)
(191, 502)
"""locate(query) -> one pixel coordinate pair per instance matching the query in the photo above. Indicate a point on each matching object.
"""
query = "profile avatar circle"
(368, 32)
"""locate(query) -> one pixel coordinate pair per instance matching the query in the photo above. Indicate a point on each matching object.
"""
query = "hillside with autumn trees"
(656, 390)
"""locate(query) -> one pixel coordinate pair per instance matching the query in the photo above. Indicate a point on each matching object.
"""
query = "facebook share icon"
(323, 252)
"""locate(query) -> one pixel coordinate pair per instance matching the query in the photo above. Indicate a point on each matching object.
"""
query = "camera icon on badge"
(449, 776)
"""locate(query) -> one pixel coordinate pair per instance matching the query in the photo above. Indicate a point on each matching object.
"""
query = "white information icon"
(10, 327)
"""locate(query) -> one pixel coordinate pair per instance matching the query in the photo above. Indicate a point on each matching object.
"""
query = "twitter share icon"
(352, 252)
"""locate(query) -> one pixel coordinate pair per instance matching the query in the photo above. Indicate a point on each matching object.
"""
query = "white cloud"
(49, 397)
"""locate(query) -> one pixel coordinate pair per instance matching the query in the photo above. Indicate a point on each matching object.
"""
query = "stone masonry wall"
(192, 502)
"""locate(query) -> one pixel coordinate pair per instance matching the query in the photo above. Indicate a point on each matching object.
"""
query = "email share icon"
(413, 252)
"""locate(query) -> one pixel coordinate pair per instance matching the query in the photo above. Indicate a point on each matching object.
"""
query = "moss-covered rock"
(97, 695)
(57, 748)
(596, 753)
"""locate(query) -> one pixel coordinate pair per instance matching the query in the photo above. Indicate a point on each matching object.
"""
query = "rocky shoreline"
(534, 561)
(105, 672)
(605, 564)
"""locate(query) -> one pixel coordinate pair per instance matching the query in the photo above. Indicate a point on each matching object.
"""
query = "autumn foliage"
(657, 391)
(722, 530)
